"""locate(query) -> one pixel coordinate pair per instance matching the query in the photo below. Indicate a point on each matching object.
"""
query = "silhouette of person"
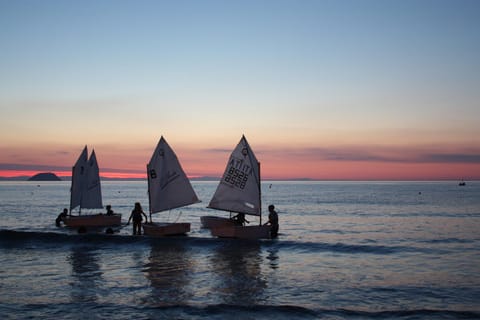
(109, 210)
(60, 217)
(239, 219)
(136, 216)
(272, 221)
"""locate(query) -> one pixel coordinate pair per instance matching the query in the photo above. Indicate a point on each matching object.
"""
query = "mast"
(71, 191)
(259, 193)
(149, 196)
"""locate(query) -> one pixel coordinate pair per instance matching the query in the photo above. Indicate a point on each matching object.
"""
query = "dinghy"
(239, 191)
(86, 193)
(168, 188)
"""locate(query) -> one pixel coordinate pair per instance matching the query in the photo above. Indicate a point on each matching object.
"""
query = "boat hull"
(93, 220)
(210, 222)
(242, 232)
(165, 229)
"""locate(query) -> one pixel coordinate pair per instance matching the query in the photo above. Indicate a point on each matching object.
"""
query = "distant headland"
(45, 176)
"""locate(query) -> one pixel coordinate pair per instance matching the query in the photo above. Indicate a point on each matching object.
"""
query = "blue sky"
(289, 74)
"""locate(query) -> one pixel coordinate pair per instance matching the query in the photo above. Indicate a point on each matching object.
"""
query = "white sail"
(92, 197)
(239, 188)
(79, 176)
(168, 185)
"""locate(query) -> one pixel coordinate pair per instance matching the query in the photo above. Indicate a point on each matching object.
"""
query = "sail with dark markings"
(239, 188)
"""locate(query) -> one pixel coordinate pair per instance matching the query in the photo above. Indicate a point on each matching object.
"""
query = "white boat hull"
(93, 220)
(165, 229)
(242, 232)
(210, 222)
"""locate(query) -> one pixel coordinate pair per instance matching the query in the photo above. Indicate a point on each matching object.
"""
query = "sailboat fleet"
(169, 188)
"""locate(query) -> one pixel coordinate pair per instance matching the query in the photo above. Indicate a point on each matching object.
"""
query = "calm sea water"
(346, 250)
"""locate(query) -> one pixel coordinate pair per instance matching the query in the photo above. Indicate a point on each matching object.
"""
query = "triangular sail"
(92, 198)
(79, 176)
(168, 185)
(239, 188)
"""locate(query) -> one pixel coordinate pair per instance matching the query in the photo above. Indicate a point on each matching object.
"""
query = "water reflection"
(169, 269)
(238, 267)
(273, 258)
(86, 274)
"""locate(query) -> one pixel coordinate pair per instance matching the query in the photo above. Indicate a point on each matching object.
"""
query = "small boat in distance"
(462, 183)
(168, 188)
(86, 193)
(239, 191)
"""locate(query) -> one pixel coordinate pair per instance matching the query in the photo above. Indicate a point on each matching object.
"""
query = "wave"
(33, 238)
(450, 240)
(221, 311)
(308, 247)
(405, 314)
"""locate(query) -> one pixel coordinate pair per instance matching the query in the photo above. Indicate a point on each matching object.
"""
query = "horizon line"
(213, 179)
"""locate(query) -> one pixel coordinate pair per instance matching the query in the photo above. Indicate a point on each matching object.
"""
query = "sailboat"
(86, 193)
(239, 191)
(168, 188)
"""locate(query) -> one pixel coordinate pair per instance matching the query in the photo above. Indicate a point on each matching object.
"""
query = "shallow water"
(346, 250)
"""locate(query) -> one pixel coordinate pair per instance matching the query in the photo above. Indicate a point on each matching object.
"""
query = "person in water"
(109, 210)
(60, 217)
(239, 219)
(136, 216)
(273, 221)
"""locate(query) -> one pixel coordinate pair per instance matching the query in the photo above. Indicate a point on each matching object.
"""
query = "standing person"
(136, 215)
(273, 221)
(60, 217)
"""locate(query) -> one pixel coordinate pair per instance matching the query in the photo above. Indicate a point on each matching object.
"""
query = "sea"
(346, 250)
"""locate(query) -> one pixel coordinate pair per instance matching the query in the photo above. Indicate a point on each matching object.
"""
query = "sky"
(329, 90)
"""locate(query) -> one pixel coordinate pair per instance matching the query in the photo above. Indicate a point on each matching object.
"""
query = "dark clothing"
(60, 218)
(239, 219)
(273, 221)
(136, 216)
(137, 228)
(274, 231)
(109, 212)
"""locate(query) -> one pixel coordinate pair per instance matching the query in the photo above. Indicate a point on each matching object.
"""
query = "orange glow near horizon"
(122, 175)
(29, 173)
(315, 170)
(62, 174)
(339, 162)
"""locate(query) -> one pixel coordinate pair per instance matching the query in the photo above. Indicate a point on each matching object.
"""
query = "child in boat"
(240, 220)
(109, 210)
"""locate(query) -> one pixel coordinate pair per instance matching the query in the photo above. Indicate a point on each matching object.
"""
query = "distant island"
(45, 176)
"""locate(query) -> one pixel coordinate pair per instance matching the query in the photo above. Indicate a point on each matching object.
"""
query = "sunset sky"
(359, 90)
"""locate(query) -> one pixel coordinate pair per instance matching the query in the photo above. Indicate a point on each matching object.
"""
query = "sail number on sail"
(164, 179)
(237, 173)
